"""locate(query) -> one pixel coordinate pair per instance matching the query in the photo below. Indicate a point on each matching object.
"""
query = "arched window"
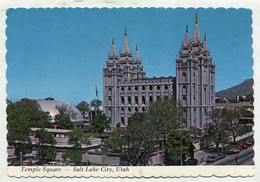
(184, 101)
(136, 109)
(123, 120)
(122, 88)
(122, 109)
(151, 87)
(129, 109)
(109, 111)
(143, 100)
(109, 101)
(184, 77)
(166, 87)
(143, 109)
(184, 90)
(151, 99)
(109, 91)
(143, 87)
(122, 100)
(136, 88)
(194, 77)
(129, 100)
(158, 87)
(136, 100)
(129, 88)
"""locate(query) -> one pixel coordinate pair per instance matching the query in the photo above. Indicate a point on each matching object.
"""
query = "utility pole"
(181, 151)
(21, 158)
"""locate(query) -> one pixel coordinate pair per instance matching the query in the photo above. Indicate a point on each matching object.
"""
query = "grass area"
(234, 145)
(195, 139)
(96, 135)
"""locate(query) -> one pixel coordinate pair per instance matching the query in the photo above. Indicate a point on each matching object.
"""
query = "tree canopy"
(100, 123)
(46, 144)
(63, 119)
(83, 107)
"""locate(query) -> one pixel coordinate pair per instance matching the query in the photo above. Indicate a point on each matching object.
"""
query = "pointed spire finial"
(205, 37)
(136, 58)
(196, 34)
(125, 48)
(113, 49)
(187, 37)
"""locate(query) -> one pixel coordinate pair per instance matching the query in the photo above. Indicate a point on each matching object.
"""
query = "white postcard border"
(251, 4)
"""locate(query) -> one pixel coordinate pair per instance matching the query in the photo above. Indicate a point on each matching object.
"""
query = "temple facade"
(127, 90)
(195, 73)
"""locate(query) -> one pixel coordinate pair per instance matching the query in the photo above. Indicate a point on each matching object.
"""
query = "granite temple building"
(127, 90)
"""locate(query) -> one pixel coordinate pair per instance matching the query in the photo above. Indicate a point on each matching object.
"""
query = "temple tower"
(195, 79)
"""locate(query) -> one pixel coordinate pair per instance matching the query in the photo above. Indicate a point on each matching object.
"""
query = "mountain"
(244, 88)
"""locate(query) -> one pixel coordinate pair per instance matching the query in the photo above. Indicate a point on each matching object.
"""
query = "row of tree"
(225, 125)
(159, 129)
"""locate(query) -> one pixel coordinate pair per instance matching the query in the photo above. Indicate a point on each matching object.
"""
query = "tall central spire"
(187, 37)
(125, 48)
(196, 35)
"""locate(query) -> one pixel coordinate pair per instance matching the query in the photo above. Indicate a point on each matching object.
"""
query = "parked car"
(244, 146)
(192, 161)
(212, 158)
(221, 156)
(249, 144)
(233, 151)
(26, 163)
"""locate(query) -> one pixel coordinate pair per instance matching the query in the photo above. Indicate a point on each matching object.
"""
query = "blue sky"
(60, 53)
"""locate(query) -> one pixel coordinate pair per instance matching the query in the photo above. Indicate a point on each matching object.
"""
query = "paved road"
(245, 157)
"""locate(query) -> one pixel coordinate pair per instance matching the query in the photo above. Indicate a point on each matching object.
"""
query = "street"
(245, 157)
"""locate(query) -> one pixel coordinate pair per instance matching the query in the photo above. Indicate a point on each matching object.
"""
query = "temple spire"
(205, 47)
(137, 58)
(187, 37)
(113, 49)
(125, 48)
(196, 35)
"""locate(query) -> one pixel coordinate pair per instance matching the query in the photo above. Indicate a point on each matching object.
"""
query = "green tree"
(216, 130)
(21, 116)
(46, 144)
(165, 115)
(95, 103)
(77, 139)
(114, 143)
(73, 155)
(83, 107)
(139, 139)
(232, 118)
(30, 111)
(177, 146)
(100, 123)
(18, 135)
(63, 119)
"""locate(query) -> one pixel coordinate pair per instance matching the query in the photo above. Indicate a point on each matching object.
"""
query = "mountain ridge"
(244, 88)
